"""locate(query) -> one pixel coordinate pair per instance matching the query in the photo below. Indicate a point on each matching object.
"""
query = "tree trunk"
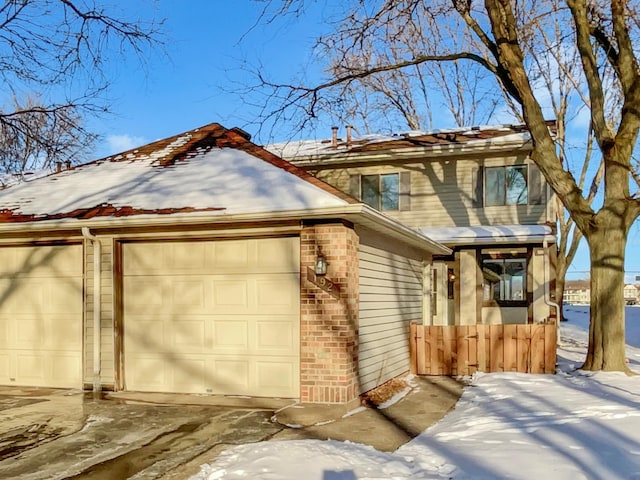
(606, 328)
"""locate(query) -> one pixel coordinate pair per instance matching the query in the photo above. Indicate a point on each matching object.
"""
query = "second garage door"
(41, 316)
(212, 316)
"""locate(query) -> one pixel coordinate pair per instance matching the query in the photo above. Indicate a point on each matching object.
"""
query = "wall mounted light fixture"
(321, 263)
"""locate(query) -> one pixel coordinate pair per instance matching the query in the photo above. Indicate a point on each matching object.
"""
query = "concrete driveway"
(56, 434)
(53, 434)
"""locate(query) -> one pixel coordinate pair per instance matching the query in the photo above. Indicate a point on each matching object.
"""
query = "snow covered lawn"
(573, 425)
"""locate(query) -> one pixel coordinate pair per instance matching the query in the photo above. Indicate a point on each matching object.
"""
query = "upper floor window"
(381, 191)
(508, 185)
(385, 192)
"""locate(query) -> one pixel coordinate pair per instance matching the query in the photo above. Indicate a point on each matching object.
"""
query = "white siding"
(391, 296)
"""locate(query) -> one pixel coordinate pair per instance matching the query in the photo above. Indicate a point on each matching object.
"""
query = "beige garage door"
(212, 316)
(41, 316)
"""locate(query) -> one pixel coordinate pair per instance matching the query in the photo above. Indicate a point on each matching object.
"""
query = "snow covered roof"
(210, 174)
(488, 234)
(210, 169)
(478, 136)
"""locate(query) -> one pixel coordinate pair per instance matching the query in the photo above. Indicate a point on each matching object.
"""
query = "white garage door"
(41, 316)
(212, 316)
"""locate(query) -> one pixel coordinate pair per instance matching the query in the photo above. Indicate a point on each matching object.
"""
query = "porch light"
(321, 263)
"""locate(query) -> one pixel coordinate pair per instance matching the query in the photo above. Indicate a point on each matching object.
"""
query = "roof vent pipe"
(67, 164)
(334, 137)
(349, 135)
(58, 166)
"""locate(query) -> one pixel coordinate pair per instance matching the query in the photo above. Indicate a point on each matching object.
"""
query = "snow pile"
(573, 425)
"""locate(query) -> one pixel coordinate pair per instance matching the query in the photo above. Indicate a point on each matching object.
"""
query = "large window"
(381, 191)
(506, 185)
(505, 279)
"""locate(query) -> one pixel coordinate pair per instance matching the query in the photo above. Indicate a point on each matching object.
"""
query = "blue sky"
(194, 85)
(206, 46)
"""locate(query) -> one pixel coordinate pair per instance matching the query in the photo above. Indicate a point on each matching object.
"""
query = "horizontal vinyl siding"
(390, 298)
(441, 193)
(107, 369)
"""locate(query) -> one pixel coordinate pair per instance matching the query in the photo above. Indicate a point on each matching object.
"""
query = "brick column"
(329, 325)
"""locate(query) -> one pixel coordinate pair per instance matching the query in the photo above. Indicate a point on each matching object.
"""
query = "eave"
(358, 213)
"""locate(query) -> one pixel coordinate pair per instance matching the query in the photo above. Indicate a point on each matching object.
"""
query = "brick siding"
(329, 325)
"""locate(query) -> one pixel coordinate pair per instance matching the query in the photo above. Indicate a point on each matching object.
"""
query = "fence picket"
(465, 349)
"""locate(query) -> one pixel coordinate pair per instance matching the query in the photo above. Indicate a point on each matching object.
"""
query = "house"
(189, 265)
(577, 296)
(477, 191)
(631, 294)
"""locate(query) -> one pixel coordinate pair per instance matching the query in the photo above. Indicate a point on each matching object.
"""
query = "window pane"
(390, 191)
(515, 273)
(505, 279)
(370, 190)
(494, 191)
(492, 272)
(517, 185)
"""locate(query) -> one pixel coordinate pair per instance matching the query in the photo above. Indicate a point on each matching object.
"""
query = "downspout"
(97, 293)
(547, 277)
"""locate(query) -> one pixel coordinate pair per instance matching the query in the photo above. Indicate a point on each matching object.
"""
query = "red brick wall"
(329, 325)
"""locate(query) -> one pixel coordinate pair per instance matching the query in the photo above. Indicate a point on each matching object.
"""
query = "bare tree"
(55, 57)
(35, 139)
(501, 37)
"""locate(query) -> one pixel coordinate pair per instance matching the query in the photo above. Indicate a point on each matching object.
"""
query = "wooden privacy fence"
(465, 349)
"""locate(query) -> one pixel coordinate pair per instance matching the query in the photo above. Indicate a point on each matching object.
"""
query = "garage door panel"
(64, 368)
(4, 333)
(182, 259)
(229, 304)
(147, 373)
(30, 366)
(62, 332)
(230, 296)
(278, 255)
(274, 376)
(189, 375)
(145, 335)
(30, 333)
(41, 315)
(229, 256)
(62, 296)
(188, 334)
(145, 294)
(189, 295)
(275, 337)
(231, 376)
(5, 367)
(145, 258)
(230, 335)
(278, 295)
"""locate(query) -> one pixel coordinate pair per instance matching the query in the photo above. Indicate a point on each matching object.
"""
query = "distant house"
(477, 191)
(632, 294)
(194, 265)
(577, 296)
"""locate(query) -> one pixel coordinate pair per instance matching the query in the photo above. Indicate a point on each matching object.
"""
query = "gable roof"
(210, 175)
(209, 169)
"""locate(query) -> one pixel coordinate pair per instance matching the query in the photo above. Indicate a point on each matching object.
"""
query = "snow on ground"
(572, 425)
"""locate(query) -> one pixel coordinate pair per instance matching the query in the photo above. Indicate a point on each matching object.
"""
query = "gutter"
(97, 294)
(357, 213)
